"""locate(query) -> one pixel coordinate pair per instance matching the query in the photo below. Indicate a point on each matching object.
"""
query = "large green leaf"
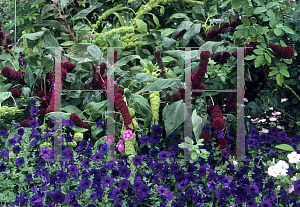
(28, 77)
(168, 42)
(73, 109)
(25, 93)
(47, 63)
(285, 147)
(142, 107)
(49, 39)
(184, 25)
(144, 77)
(4, 96)
(279, 79)
(198, 124)
(46, 9)
(235, 4)
(142, 26)
(258, 61)
(173, 116)
(96, 109)
(95, 52)
(178, 16)
(191, 33)
(160, 84)
(95, 131)
(83, 13)
(212, 11)
(125, 60)
(51, 115)
(33, 36)
(259, 10)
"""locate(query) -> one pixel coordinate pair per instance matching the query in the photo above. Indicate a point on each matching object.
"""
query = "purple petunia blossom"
(58, 197)
(33, 123)
(33, 111)
(206, 128)
(219, 133)
(20, 161)
(107, 181)
(32, 103)
(71, 123)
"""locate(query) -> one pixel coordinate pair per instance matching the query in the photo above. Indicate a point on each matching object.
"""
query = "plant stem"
(285, 113)
(291, 90)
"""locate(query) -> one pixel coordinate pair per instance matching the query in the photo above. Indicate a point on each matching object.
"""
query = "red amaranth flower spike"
(157, 54)
(115, 56)
(124, 111)
(231, 104)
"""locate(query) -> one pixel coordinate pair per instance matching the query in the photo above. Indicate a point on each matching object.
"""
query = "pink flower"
(109, 139)
(127, 135)
(120, 146)
(291, 189)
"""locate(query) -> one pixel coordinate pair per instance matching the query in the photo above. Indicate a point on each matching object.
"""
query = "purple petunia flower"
(274, 130)
(107, 181)
(219, 133)
(163, 155)
(58, 197)
(20, 161)
(16, 149)
(71, 123)
(86, 163)
(123, 184)
(225, 154)
(33, 111)
(12, 141)
(143, 191)
(137, 160)
(182, 184)
(206, 128)
(33, 123)
(3, 133)
(83, 144)
(32, 103)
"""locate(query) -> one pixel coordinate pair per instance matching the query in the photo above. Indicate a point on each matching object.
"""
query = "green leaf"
(142, 26)
(4, 96)
(173, 116)
(185, 145)
(235, 4)
(63, 4)
(271, 14)
(277, 31)
(46, 9)
(51, 115)
(258, 51)
(121, 20)
(284, 72)
(142, 107)
(144, 77)
(33, 36)
(95, 131)
(83, 13)
(285, 147)
(245, 20)
(252, 105)
(74, 109)
(279, 79)
(155, 19)
(258, 61)
(168, 42)
(47, 63)
(160, 84)
(25, 93)
(28, 77)
(166, 32)
(125, 60)
(271, 4)
(96, 109)
(198, 124)
(95, 52)
(268, 58)
(212, 11)
(225, 4)
(288, 30)
(251, 57)
(49, 39)
(252, 31)
(245, 5)
(259, 10)
(191, 33)
(79, 129)
(67, 43)
(273, 72)
(178, 16)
